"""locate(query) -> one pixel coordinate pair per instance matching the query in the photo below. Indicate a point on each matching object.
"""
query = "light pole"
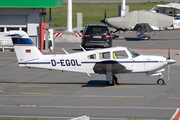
(69, 16)
(123, 11)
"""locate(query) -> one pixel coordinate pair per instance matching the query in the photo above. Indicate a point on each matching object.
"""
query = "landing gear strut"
(113, 81)
(110, 82)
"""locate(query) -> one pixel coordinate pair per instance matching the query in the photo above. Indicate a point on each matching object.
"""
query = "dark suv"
(96, 35)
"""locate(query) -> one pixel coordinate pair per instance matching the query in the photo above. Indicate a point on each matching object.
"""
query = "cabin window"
(159, 10)
(12, 28)
(104, 55)
(177, 11)
(1, 29)
(169, 11)
(120, 54)
(93, 56)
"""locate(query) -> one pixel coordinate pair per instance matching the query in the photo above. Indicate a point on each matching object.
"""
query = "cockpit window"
(119, 54)
(134, 53)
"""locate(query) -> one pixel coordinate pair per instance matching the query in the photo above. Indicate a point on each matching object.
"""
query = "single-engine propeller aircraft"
(171, 9)
(142, 20)
(109, 61)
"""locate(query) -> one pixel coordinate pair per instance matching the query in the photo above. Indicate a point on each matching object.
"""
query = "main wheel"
(115, 78)
(110, 83)
(160, 81)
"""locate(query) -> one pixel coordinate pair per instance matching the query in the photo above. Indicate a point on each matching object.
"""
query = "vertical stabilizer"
(24, 47)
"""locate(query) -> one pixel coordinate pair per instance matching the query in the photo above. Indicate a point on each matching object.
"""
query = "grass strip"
(93, 12)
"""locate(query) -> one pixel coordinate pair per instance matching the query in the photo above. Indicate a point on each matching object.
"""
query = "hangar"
(24, 15)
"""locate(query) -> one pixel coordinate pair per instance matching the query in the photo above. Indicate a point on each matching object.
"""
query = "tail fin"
(24, 47)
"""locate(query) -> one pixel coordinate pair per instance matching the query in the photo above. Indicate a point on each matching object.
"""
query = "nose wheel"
(160, 81)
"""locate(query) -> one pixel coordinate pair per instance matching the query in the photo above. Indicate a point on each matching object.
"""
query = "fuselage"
(171, 9)
(85, 61)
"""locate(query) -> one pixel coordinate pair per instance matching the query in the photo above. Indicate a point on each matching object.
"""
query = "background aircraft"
(142, 20)
(109, 61)
(171, 9)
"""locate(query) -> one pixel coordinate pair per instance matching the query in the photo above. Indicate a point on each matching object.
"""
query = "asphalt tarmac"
(38, 93)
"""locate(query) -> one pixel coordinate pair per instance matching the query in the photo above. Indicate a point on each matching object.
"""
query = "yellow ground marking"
(121, 37)
(172, 71)
(123, 86)
(33, 70)
(28, 70)
(83, 96)
(173, 97)
(36, 93)
(34, 85)
(1, 91)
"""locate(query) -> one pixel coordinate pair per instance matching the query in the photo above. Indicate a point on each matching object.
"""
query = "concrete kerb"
(67, 37)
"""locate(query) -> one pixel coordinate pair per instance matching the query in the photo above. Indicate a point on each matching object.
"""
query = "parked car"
(96, 35)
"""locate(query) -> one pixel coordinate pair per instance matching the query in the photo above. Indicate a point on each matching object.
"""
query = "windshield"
(96, 29)
(134, 53)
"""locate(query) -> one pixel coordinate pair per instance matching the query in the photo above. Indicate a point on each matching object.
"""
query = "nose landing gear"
(160, 81)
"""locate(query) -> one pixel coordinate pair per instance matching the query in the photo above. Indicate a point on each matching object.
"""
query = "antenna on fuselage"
(82, 48)
(65, 51)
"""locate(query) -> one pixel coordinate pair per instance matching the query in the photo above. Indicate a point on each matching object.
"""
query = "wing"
(110, 65)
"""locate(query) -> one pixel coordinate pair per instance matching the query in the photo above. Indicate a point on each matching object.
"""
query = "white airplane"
(109, 61)
(171, 9)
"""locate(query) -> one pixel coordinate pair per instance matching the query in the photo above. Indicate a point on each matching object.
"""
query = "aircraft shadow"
(77, 49)
(95, 83)
(91, 83)
(102, 83)
(132, 39)
(70, 83)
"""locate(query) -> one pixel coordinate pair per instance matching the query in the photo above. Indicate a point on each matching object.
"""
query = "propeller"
(169, 62)
(105, 14)
(169, 57)
(104, 20)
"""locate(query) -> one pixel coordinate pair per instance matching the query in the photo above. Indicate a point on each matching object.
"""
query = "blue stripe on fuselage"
(35, 63)
(104, 62)
(111, 62)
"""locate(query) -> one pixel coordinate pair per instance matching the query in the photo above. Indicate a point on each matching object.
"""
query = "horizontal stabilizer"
(14, 35)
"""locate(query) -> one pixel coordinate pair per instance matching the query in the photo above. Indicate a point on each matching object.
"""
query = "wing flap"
(110, 65)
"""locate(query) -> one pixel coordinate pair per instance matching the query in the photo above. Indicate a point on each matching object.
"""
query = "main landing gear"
(113, 81)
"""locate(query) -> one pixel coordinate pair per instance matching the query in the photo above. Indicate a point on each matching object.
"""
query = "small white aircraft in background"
(109, 61)
(171, 9)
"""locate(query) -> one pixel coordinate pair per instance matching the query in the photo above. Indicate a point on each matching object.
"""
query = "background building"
(24, 15)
